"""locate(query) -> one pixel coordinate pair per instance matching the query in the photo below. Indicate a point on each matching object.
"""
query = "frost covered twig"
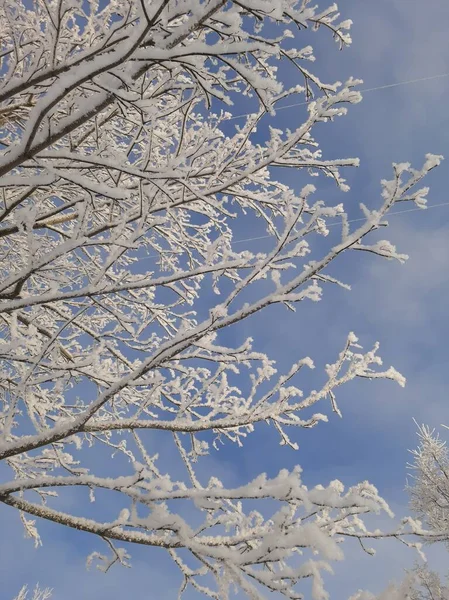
(37, 594)
(123, 183)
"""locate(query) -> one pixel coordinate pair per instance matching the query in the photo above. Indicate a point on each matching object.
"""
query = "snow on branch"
(123, 184)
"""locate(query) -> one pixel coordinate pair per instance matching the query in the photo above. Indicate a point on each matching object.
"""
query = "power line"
(373, 89)
(397, 212)
(264, 237)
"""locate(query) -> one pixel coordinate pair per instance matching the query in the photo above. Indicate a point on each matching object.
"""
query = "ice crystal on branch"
(122, 183)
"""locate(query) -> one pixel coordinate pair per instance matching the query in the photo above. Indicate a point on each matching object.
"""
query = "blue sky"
(402, 306)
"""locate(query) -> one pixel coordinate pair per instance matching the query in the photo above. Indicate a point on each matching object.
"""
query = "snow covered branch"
(123, 184)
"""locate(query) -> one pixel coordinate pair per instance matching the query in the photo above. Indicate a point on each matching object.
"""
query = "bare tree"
(429, 492)
(419, 584)
(122, 181)
(429, 486)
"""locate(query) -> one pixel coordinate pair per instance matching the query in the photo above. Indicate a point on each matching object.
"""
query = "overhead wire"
(363, 91)
(372, 89)
(265, 237)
